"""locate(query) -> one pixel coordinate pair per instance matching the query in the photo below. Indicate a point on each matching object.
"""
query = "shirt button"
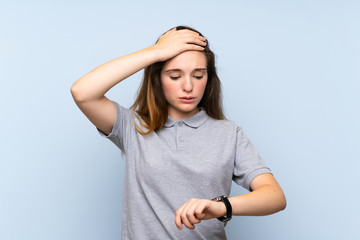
(181, 124)
(181, 139)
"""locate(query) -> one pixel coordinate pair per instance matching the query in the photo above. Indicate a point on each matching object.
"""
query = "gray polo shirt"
(197, 157)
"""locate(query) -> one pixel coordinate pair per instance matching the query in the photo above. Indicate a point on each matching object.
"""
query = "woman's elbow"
(282, 201)
(78, 94)
(278, 199)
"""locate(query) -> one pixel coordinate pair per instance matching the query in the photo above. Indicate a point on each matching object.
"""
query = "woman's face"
(184, 79)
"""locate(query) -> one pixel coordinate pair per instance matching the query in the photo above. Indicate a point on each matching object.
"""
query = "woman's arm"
(266, 198)
(88, 92)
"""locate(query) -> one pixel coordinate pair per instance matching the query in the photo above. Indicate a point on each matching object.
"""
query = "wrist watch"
(225, 200)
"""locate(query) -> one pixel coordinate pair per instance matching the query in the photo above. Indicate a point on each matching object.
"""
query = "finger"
(187, 31)
(194, 36)
(184, 215)
(195, 40)
(178, 222)
(191, 212)
(190, 35)
(193, 47)
(199, 41)
(171, 30)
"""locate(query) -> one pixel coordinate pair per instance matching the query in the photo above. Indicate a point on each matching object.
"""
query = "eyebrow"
(179, 70)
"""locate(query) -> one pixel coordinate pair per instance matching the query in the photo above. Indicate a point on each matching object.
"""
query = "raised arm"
(89, 91)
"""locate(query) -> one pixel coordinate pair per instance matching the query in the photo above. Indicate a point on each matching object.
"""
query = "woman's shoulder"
(224, 124)
(123, 111)
(125, 116)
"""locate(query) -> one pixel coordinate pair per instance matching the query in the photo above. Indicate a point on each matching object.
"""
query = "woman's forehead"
(187, 60)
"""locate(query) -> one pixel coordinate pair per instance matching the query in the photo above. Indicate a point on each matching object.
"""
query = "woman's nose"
(187, 85)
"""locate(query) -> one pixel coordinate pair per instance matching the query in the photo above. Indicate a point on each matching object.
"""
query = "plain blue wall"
(290, 74)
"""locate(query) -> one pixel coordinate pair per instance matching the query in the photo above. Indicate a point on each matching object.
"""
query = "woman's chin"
(183, 112)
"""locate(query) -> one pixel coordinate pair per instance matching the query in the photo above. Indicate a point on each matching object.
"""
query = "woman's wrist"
(155, 53)
(220, 209)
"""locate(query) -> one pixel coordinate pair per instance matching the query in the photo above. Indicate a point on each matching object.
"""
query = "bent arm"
(266, 198)
(89, 91)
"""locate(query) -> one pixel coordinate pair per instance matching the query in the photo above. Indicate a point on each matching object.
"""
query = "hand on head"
(175, 42)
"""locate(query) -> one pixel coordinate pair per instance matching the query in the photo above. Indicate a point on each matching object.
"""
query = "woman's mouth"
(187, 99)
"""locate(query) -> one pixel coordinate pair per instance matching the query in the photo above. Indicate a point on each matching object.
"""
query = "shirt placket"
(180, 138)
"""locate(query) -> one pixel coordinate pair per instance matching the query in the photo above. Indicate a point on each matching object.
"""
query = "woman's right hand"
(175, 42)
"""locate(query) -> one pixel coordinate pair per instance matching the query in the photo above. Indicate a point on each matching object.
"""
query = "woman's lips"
(187, 99)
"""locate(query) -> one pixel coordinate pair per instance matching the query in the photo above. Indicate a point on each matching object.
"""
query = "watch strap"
(225, 200)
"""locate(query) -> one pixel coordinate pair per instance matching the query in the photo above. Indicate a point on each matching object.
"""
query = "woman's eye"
(174, 77)
(199, 77)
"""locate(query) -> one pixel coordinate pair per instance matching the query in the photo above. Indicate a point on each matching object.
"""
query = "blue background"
(290, 75)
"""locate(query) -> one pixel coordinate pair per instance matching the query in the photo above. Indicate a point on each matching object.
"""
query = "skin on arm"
(89, 91)
(266, 198)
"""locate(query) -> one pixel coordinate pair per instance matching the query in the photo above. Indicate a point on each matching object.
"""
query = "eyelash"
(176, 78)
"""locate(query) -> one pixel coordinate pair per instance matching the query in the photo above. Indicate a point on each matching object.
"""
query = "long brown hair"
(151, 105)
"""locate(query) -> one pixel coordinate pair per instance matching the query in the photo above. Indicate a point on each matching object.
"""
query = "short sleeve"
(248, 163)
(121, 129)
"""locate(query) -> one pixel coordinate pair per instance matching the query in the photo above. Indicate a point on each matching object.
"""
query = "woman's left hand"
(195, 210)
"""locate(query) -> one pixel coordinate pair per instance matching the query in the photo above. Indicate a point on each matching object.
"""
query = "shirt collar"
(194, 121)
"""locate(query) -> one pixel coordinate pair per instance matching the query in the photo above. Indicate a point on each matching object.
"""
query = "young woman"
(181, 153)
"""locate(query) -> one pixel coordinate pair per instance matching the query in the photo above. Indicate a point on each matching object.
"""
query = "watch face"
(224, 219)
(218, 199)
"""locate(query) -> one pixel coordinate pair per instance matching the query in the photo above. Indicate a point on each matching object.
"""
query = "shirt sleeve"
(248, 163)
(121, 129)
